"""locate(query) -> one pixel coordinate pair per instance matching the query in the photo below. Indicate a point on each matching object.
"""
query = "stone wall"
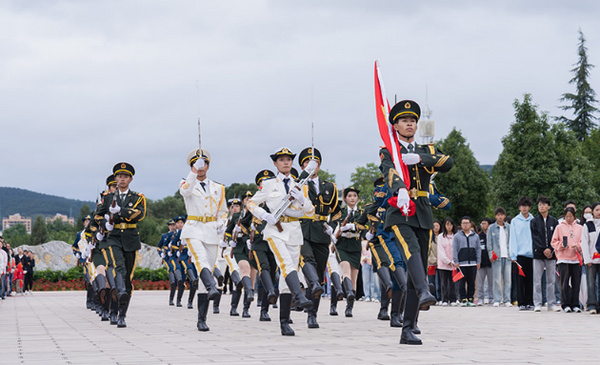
(58, 255)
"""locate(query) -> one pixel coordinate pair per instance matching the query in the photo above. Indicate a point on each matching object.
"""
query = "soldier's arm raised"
(186, 186)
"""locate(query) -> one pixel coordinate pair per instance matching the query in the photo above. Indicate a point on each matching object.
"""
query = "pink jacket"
(444, 258)
(573, 233)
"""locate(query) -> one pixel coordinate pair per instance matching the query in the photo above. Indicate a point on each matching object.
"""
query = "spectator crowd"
(16, 270)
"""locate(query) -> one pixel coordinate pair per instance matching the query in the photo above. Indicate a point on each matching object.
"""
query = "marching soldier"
(206, 207)
(317, 232)
(81, 262)
(163, 252)
(412, 232)
(124, 208)
(175, 248)
(284, 235)
(348, 234)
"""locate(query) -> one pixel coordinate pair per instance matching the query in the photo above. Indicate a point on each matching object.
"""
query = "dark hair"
(445, 233)
(489, 220)
(583, 220)
(524, 201)
(544, 200)
(569, 202)
(474, 227)
(569, 210)
(465, 217)
(438, 222)
(499, 210)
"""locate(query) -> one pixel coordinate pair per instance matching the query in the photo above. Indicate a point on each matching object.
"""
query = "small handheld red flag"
(494, 256)
(431, 270)
(596, 256)
(579, 258)
(457, 275)
(521, 272)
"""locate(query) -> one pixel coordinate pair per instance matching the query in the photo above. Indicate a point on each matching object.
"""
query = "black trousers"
(569, 273)
(28, 280)
(265, 260)
(525, 283)
(123, 262)
(448, 287)
(413, 240)
(316, 254)
(466, 285)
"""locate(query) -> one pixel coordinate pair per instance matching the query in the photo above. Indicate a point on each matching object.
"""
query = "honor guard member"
(284, 235)
(412, 233)
(206, 207)
(166, 253)
(317, 232)
(175, 247)
(348, 234)
(124, 209)
(237, 234)
(188, 270)
(81, 262)
(265, 261)
(335, 273)
(165, 238)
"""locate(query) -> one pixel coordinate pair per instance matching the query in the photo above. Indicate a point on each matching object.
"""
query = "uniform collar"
(405, 144)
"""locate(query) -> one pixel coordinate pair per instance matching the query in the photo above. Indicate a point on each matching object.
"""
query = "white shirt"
(503, 242)
(405, 144)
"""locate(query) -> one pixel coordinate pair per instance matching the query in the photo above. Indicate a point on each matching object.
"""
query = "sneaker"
(444, 304)
(486, 301)
(508, 305)
(555, 308)
(463, 303)
(522, 308)
(470, 304)
(593, 311)
(496, 304)
(577, 310)
(375, 300)
(515, 303)
(567, 310)
(537, 308)
(479, 303)
(453, 304)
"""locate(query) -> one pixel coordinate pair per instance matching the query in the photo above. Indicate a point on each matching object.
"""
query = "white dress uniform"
(285, 245)
(206, 207)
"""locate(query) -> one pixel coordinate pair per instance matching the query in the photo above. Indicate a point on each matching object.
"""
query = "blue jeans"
(370, 286)
(502, 279)
(593, 278)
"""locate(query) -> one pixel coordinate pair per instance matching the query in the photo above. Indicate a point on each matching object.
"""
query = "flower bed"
(77, 284)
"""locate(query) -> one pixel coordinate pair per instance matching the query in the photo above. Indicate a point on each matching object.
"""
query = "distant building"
(15, 219)
(62, 217)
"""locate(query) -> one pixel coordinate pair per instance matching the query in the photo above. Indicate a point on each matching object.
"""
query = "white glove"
(411, 158)
(334, 240)
(298, 195)
(223, 244)
(220, 230)
(109, 227)
(162, 255)
(78, 255)
(312, 165)
(114, 210)
(107, 217)
(100, 236)
(403, 198)
(249, 245)
(170, 253)
(83, 256)
(178, 253)
(369, 236)
(236, 230)
(269, 218)
(199, 164)
(348, 227)
(232, 243)
(328, 230)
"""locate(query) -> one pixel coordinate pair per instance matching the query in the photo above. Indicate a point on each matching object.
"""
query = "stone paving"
(55, 328)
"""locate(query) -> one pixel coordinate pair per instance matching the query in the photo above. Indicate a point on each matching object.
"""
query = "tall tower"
(426, 124)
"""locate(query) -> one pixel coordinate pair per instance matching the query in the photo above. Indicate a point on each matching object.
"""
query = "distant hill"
(487, 168)
(31, 204)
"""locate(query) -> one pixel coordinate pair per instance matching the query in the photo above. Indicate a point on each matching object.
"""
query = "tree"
(60, 231)
(325, 175)
(16, 235)
(166, 208)
(362, 179)
(83, 211)
(467, 185)
(591, 149)
(581, 103)
(39, 231)
(238, 190)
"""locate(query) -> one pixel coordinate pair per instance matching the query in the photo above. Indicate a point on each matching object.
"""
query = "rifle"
(339, 232)
(287, 200)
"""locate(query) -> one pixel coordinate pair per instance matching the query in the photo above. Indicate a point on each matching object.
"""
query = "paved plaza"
(55, 328)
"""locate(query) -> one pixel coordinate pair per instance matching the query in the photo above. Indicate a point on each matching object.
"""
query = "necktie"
(286, 182)
(122, 198)
(203, 184)
(311, 188)
(410, 148)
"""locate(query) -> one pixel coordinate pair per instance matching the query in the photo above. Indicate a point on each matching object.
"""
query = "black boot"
(202, 312)
(349, 296)
(180, 289)
(247, 283)
(312, 313)
(268, 287)
(235, 300)
(235, 279)
(209, 284)
(216, 303)
(396, 308)
(300, 299)
(172, 293)
(349, 306)
(112, 292)
(416, 330)
(311, 276)
(285, 301)
(114, 310)
(219, 276)
(383, 310)
(89, 299)
(123, 306)
(102, 295)
(260, 294)
(264, 308)
(419, 280)
(193, 289)
(334, 300)
(123, 298)
(246, 309)
(336, 283)
(386, 281)
(410, 314)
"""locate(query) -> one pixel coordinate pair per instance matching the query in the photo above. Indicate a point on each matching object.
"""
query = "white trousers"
(226, 261)
(333, 264)
(204, 256)
(287, 257)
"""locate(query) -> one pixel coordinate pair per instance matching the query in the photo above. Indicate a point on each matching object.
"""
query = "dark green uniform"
(240, 251)
(349, 243)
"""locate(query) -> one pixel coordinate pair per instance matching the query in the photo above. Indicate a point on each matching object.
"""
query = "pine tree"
(581, 103)
(39, 231)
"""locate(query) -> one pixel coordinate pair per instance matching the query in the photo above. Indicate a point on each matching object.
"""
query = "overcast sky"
(87, 84)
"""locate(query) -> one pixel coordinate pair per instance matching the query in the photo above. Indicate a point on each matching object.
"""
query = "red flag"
(521, 272)
(596, 256)
(579, 258)
(431, 270)
(494, 256)
(390, 140)
(457, 275)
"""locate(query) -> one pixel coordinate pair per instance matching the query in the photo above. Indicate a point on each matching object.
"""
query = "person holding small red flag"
(567, 245)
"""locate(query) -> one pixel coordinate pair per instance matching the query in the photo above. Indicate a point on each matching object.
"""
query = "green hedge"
(77, 272)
